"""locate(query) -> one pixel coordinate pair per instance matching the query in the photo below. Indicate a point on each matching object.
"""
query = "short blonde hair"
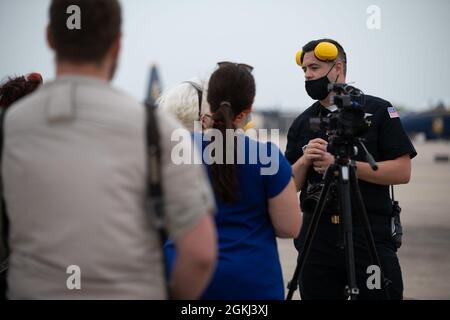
(182, 102)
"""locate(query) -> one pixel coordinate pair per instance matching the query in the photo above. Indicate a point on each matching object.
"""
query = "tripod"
(343, 172)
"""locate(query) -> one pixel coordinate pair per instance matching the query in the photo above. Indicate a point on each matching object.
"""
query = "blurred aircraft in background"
(154, 88)
(433, 124)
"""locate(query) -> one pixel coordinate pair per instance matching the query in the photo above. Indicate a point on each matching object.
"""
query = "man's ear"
(50, 40)
(116, 46)
(340, 68)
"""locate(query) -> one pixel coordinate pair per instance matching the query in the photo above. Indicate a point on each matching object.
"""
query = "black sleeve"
(393, 140)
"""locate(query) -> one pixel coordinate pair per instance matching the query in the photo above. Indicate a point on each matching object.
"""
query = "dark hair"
(100, 25)
(310, 46)
(15, 88)
(231, 90)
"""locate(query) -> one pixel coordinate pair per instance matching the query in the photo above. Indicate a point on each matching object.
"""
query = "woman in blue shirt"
(256, 198)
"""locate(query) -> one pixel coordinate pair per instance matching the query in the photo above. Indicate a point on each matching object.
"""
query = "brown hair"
(15, 88)
(100, 25)
(231, 90)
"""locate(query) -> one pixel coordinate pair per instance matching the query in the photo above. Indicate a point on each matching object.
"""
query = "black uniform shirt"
(385, 140)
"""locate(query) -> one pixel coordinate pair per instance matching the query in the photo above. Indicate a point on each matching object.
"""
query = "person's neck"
(327, 101)
(82, 69)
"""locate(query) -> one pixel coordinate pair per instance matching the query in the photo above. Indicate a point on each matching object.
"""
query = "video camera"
(349, 122)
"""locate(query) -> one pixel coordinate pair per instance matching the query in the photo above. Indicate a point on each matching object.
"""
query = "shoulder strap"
(4, 225)
(392, 193)
(154, 180)
(155, 199)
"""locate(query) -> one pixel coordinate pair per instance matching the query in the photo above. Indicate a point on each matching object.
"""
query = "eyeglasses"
(199, 94)
(247, 67)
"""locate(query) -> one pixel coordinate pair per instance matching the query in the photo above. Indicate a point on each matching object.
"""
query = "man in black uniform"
(324, 275)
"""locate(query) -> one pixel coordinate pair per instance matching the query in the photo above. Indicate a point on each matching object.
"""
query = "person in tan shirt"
(75, 180)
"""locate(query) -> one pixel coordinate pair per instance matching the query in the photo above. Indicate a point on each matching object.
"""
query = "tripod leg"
(347, 228)
(361, 211)
(293, 284)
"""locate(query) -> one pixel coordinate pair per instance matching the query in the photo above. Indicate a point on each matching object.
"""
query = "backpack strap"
(4, 223)
(155, 197)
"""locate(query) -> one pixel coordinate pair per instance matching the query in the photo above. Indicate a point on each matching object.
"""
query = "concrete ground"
(425, 202)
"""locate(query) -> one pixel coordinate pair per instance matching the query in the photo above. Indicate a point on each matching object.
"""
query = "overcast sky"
(406, 61)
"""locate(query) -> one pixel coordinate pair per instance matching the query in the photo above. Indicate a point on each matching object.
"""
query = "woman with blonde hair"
(187, 102)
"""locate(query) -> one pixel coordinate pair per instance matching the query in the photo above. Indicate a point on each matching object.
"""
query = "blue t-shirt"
(248, 266)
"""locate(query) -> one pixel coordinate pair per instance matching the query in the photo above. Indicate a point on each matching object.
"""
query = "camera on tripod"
(349, 122)
(338, 189)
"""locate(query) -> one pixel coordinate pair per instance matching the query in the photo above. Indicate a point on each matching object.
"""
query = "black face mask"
(318, 89)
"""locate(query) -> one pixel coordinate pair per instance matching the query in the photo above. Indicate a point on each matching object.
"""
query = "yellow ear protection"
(249, 125)
(324, 51)
(248, 115)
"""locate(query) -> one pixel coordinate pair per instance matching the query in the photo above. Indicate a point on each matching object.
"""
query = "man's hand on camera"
(322, 165)
(314, 151)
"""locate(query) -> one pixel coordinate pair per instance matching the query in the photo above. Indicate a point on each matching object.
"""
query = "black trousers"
(324, 276)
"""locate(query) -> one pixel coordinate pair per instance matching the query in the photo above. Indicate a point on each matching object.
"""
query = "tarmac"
(425, 201)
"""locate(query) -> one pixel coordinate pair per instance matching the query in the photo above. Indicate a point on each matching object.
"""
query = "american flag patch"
(392, 112)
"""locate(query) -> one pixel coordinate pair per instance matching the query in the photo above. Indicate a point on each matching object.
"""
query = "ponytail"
(224, 177)
(231, 90)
